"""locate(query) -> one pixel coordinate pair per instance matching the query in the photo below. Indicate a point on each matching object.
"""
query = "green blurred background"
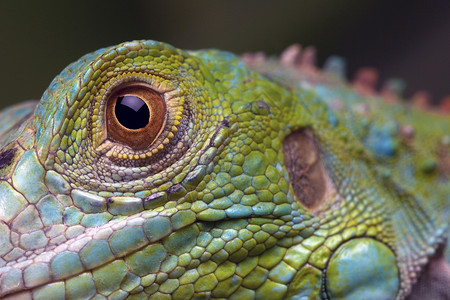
(408, 39)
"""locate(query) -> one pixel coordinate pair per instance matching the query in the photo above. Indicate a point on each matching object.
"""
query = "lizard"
(151, 172)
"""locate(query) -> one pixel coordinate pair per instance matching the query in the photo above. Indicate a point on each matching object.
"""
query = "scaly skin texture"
(267, 182)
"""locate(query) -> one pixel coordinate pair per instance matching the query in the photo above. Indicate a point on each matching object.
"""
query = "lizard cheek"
(135, 115)
(362, 268)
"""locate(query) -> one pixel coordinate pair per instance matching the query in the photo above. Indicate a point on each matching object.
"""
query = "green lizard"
(146, 171)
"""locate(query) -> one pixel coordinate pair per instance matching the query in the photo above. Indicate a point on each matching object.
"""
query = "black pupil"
(132, 112)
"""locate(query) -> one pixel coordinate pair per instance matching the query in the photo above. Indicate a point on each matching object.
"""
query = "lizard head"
(148, 170)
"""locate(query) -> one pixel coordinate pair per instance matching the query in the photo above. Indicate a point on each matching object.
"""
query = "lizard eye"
(132, 112)
(135, 115)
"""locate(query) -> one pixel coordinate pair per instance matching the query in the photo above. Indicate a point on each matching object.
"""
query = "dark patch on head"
(434, 281)
(306, 172)
(6, 157)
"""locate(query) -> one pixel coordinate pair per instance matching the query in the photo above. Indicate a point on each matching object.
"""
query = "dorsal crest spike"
(308, 57)
(291, 56)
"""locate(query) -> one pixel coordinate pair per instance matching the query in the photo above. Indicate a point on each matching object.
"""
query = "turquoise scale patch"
(127, 239)
(72, 216)
(95, 253)
(362, 269)
(28, 177)
(66, 264)
(238, 211)
(157, 227)
(56, 183)
(94, 220)
(51, 210)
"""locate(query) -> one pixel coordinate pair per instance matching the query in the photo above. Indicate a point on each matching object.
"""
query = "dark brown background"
(408, 39)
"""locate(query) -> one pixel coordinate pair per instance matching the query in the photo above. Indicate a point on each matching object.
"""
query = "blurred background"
(406, 39)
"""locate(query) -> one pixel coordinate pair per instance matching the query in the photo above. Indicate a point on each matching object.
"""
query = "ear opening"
(309, 179)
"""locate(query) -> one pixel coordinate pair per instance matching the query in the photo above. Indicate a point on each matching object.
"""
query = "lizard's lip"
(94, 248)
(113, 241)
